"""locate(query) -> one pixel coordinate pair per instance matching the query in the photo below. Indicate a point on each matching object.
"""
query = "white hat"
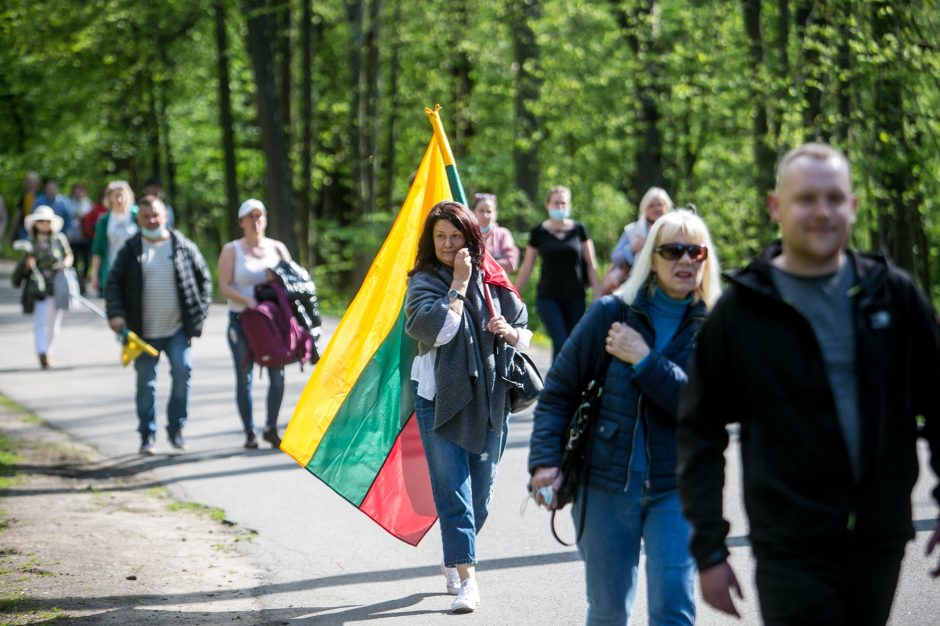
(43, 213)
(250, 205)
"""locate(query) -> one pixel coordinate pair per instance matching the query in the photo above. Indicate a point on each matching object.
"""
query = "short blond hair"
(812, 150)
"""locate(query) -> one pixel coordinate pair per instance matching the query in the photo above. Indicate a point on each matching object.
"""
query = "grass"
(8, 460)
(22, 413)
(213, 513)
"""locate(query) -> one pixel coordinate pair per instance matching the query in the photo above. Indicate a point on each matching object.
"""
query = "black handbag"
(525, 382)
(576, 455)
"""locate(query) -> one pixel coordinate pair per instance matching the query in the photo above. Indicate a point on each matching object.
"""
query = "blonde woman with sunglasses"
(636, 343)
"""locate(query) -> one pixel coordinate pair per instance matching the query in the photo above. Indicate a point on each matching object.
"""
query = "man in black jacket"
(160, 288)
(828, 359)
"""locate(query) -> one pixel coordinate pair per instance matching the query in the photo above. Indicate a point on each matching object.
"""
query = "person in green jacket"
(111, 231)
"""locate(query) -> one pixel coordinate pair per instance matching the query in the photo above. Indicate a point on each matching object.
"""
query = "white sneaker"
(451, 579)
(468, 599)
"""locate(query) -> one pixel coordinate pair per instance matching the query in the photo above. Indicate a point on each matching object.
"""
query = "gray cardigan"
(470, 371)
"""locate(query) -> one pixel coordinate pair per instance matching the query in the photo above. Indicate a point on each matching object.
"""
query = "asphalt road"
(325, 562)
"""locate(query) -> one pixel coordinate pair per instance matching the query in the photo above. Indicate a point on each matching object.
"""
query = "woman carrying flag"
(467, 320)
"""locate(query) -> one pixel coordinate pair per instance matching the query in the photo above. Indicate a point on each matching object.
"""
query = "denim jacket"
(628, 396)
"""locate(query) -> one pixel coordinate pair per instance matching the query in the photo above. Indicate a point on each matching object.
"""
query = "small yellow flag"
(134, 346)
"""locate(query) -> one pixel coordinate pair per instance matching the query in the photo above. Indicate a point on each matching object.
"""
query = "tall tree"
(356, 16)
(391, 136)
(282, 47)
(462, 82)
(900, 224)
(306, 209)
(764, 154)
(370, 105)
(810, 22)
(528, 83)
(640, 23)
(273, 138)
(226, 120)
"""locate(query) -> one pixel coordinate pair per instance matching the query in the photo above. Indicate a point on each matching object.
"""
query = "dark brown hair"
(460, 218)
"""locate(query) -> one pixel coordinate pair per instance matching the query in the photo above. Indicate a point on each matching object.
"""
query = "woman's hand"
(626, 344)
(30, 262)
(545, 477)
(462, 266)
(501, 328)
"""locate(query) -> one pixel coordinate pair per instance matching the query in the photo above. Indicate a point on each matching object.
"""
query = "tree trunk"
(226, 123)
(808, 20)
(356, 17)
(392, 128)
(640, 26)
(306, 208)
(764, 155)
(152, 128)
(273, 139)
(528, 83)
(845, 78)
(282, 42)
(182, 216)
(371, 104)
(463, 84)
(900, 223)
(783, 78)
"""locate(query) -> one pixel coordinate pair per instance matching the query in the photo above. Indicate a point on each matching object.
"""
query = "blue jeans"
(610, 547)
(243, 377)
(460, 481)
(178, 350)
(559, 317)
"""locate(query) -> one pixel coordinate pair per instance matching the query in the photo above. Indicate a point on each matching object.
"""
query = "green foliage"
(114, 88)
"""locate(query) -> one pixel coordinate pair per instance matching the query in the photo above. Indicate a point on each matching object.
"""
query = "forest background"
(316, 107)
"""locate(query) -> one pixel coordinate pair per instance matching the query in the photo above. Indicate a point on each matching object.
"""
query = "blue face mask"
(153, 233)
(487, 228)
(559, 214)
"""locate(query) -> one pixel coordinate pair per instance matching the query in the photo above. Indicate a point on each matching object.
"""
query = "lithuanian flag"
(354, 426)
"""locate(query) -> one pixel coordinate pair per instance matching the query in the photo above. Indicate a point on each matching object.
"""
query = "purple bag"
(275, 337)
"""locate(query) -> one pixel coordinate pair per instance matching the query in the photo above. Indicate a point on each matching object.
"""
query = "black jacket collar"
(870, 271)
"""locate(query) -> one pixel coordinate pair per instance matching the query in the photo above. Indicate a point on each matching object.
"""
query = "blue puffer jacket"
(653, 393)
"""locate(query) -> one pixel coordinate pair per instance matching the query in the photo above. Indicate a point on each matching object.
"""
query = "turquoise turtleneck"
(666, 314)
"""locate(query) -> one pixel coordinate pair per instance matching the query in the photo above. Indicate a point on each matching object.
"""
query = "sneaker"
(468, 599)
(270, 435)
(251, 442)
(147, 443)
(176, 440)
(451, 579)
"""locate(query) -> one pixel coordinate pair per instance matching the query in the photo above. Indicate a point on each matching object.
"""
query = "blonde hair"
(651, 194)
(818, 151)
(666, 228)
(113, 186)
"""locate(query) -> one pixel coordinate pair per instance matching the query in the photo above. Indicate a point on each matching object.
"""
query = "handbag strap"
(586, 474)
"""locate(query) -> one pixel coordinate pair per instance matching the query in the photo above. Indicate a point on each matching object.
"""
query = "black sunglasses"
(674, 251)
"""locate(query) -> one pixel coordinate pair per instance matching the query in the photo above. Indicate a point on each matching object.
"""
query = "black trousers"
(843, 582)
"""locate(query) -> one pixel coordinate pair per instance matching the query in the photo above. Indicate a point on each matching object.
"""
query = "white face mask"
(487, 228)
(153, 233)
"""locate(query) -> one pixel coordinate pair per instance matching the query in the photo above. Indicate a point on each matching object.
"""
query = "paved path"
(322, 561)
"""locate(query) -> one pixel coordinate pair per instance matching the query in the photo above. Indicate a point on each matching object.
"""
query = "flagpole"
(450, 166)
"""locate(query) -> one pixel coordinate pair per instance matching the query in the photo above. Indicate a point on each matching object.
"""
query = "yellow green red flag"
(354, 426)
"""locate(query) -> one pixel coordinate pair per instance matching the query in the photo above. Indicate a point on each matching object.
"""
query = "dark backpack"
(275, 337)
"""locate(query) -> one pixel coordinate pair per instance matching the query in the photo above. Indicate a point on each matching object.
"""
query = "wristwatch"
(453, 294)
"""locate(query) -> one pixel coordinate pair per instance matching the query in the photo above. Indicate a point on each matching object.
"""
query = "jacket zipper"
(639, 410)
